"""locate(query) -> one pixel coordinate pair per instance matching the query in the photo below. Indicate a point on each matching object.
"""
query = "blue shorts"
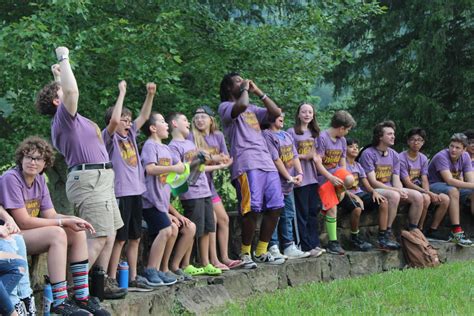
(443, 187)
(259, 190)
(155, 220)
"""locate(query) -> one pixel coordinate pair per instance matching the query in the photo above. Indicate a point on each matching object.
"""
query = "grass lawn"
(448, 289)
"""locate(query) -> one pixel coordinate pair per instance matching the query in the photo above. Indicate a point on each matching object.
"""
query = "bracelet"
(300, 174)
(243, 89)
(62, 57)
(263, 97)
(60, 222)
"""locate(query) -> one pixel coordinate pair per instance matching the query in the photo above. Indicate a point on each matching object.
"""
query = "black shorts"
(131, 212)
(201, 213)
(348, 205)
(155, 220)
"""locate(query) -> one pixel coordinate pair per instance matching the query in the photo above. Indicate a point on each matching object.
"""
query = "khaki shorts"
(92, 194)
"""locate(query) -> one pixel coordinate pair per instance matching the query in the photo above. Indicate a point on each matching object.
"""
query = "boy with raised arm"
(90, 180)
(120, 141)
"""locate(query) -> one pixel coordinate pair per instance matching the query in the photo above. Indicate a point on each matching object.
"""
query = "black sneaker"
(360, 244)
(385, 243)
(92, 305)
(112, 291)
(435, 235)
(68, 308)
(335, 248)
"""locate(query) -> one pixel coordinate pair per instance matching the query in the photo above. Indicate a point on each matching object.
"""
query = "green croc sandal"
(193, 271)
(211, 270)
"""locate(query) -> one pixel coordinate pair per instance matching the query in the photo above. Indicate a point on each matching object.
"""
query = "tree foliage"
(413, 65)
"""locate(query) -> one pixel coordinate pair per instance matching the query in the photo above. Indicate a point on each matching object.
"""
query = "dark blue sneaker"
(152, 277)
(167, 279)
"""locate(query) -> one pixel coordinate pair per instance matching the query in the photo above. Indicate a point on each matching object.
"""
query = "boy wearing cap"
(90, 181)
(450, 172)
(120, 141)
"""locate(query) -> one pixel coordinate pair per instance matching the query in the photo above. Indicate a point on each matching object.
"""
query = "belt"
(91, 166)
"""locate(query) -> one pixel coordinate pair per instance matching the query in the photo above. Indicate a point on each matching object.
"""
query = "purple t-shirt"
(384, 165)
(157, 192)
(77, 138)
(186, 151)
(304, 144)
(414, 168)
(442, 161)
(216, 145)
(358, 173)
(15, 193)
(281, 145)
(247, 145)
(331, 151)
(123, 152)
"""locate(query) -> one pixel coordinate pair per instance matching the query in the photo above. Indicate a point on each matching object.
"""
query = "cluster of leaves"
(413, 65)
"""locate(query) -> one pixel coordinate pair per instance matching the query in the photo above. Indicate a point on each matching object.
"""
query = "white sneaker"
(292, 252)
(248, 263)
(268, 258)
(275, 252)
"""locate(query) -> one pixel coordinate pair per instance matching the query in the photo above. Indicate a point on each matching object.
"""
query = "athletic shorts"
(442, 187)
(201, 213)
(348, 205)
(92, 194)
(259, 191)
(131, 210)
(155, 220)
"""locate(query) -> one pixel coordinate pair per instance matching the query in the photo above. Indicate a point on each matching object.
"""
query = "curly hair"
(378, 131)
(45, 97)
(226, 86)
(35, 144)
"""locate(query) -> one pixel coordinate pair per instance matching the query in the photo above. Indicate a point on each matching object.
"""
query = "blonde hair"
(198, 136)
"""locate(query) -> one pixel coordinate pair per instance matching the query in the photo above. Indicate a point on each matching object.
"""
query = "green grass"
(446, 290)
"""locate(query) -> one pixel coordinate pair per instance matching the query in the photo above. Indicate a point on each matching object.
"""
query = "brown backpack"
(417, 250)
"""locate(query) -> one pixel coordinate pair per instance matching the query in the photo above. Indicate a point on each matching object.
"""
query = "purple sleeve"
(260, 113)
(361, 171)
(344, 147)
(424, 165)
(403, 167)
(442, 163)
(177, 151)
(295, 151)
(174, 158)
(107, 139)
(466, 163)
(320, 146)
(225, 112)
(11, 192)
(367, 162)
(222, 145)
(46, 202)
(63, 117)
(271, 144)
(148, 155)
(396, 163)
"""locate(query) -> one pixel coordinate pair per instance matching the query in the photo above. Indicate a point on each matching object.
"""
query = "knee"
(58, 235)
(174, 230)
(167, 232)
(453, 194)
(357, 211)
(444, 199)
(190, 228)
(426, 200)
(223, 220)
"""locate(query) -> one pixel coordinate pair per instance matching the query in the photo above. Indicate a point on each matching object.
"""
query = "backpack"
(417, 250)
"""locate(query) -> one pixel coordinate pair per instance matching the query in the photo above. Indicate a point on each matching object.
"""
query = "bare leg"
(269, 221)
(132, 257)
(416, 206)
(169, 247)
(454, 206)
(204, 249)
(158, 248)
(383, 215)
(441, 211)
(222, 231)
(94, 248)
(426, 205)
(104, 256)
(115, 258)
(393, 202)
(183, 247)
(77, 243)
(213, 246)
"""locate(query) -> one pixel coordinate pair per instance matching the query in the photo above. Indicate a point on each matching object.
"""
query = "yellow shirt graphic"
(331, 158)
(33, 207)
(128, 153)
(251, 119)
(305, 147)
(383, 173)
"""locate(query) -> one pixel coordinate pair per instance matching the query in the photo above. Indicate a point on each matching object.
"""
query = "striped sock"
(80, 279)
(59, 292)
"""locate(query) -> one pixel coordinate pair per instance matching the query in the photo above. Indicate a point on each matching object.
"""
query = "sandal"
(193, 271)
(232, 264)
(221, 266)
(211, 270)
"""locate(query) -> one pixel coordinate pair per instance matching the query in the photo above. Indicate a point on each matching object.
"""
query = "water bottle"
(47, 296)
(97, 282)
(123, 275)
(196, 167)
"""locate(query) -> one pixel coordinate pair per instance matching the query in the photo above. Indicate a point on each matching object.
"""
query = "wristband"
(62, 57)
(263, 97)
(300, 174)
(243, 89)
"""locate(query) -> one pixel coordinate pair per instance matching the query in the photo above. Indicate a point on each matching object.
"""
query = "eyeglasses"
(127, 122)
(416, 140)
(201, 116)
(35, 159)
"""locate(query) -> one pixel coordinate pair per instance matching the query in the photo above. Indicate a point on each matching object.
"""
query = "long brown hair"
(312, 126)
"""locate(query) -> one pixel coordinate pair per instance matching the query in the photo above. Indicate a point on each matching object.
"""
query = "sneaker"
(435, 235)
(385, 243)
(167, 280)
(360, 244)
(30, 305)
(292, 252)
(112, 291)
(21, 309)
(183, 274)
(275, 252)
(335, 248)
(139, 285)
(460, 239)
(92, 305)
(248, 262)
(316, 252)
(268, 258)
(152, 278)
(68, 308)
(179, 278)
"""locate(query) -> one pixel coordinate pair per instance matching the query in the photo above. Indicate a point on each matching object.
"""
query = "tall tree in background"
(413, 65)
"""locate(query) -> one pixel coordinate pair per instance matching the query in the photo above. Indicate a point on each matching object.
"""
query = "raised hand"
(122, 86)
(151, 88)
